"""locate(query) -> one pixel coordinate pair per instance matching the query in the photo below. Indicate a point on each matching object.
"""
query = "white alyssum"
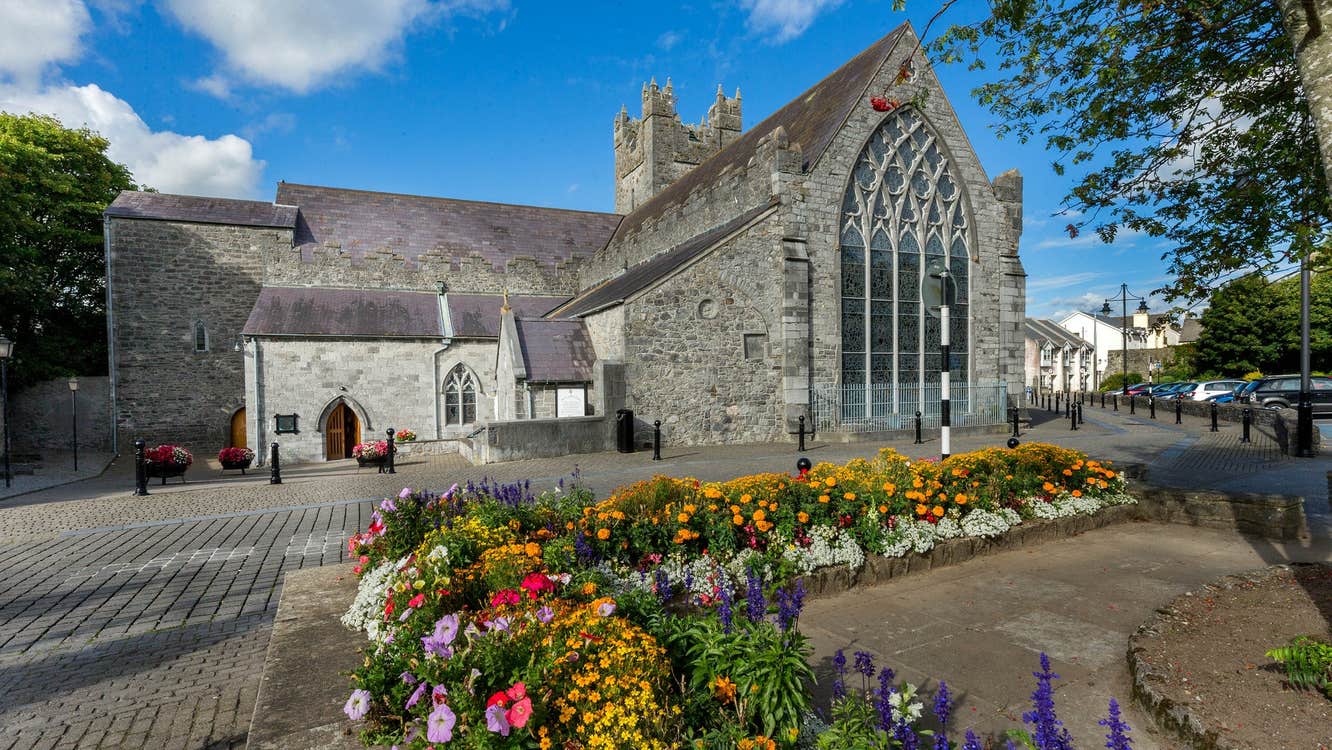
(371, 593)
(947, 528)
(829, 546)
(909, 535)
(1011, 516)
(983, 523)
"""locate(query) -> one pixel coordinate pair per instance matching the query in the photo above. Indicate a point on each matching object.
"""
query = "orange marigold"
(938, 511)
(603, 534)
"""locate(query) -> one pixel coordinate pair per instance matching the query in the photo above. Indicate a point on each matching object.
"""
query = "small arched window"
(200, 337)
(459, 397)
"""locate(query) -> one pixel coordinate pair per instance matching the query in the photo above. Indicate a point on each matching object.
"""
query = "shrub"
(1115, 381)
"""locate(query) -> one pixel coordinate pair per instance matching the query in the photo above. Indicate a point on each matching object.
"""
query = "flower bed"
(665, 615)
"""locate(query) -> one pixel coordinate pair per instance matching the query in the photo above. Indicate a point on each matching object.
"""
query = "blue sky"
(497, 100)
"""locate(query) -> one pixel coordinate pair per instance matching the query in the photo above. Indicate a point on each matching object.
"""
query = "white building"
(1057, 360)
(1107, 333)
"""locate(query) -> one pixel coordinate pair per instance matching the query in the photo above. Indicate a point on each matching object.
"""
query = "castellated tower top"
(656, 149)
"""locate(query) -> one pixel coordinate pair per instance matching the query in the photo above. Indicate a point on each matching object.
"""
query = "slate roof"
(132, 204)
(353, 313)
(811, 119)
(478, 315)
(655, 268)
(555, 351)
(1190, 330)
(1048, 331)
(411, 225)
(1153, 320)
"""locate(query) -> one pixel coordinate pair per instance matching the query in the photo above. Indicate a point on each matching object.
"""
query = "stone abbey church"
(746, 279)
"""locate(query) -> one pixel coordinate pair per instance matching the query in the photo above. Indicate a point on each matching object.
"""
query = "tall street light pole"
(1124, 297)
(74, 419)
(6, 350)
(1304, 413)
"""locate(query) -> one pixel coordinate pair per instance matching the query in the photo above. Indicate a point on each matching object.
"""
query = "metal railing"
(880, 408)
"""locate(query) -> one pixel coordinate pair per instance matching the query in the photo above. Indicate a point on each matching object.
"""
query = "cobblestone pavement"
(142, 622)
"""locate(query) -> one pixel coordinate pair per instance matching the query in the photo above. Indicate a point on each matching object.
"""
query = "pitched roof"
(357, 313)
(655, 268)
(411, 225)
(132, 204)
(555, 351)
(478, 315)
(1153, 320)
(1050, 332)
(811, 120)
(1190, 330)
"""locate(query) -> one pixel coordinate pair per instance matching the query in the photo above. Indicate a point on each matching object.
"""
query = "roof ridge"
(441, 198)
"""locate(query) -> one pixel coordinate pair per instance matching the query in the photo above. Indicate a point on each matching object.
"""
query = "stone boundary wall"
(42, 419)
(540, 438)
(1171, 716)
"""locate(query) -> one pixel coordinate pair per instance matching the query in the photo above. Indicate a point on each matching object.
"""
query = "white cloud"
(1058, 282)
(787, 19)
(668, 40)
(170, 162)
(298, 46)
(1088, 238)
(37, 33)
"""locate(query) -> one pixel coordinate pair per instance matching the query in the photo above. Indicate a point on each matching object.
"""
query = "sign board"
(571, 402)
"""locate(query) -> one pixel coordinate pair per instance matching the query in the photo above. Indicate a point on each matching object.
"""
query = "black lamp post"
(6, 350)
(74, 420)
(1124, 297)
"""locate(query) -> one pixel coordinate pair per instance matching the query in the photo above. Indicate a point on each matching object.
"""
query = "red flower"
(504, 596)
(881, 104)
(416, 601)
(498, 699)
(517, 692)
(535, 583)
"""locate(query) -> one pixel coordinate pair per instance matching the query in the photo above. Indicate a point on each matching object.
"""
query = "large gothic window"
(459, 397)
(903, 218)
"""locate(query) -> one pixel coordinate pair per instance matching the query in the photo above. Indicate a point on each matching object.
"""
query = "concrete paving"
(142, 622)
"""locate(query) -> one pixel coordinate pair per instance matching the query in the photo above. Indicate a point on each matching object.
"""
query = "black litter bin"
(624, 430)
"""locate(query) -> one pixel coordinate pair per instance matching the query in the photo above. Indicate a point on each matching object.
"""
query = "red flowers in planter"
(168, 454)
(235, 455)
(880, 104)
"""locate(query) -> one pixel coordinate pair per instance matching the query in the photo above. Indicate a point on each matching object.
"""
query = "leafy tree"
(1188, 118)
(1242, 328)
(54, 185)
(1115, 381)
(1287, 304)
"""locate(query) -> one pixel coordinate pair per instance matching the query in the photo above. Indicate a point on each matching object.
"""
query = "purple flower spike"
(972, 742)
(1118, 738)
(839, 681)
(1047, 730)
(725, 608)
(865, 663)
(755, 604)
(943, 707)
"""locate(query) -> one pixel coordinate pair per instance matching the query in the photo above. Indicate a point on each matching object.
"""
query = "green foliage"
(1187, 122)
(54, 185)
(1252, 324)
(1115, 381)
(1308, 663)
(855, 726)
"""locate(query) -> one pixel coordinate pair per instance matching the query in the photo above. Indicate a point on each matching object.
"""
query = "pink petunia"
(519, 713)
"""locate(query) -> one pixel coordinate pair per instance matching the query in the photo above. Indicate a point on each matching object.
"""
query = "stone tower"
(657, 149)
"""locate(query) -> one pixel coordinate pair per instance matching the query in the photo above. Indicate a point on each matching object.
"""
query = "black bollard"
(1133, 404)
(140, 471)
(274, 465)
(656, 438)
(1080, 419)
(1179, 411)
(1016, 416)
(1072, 418)
(1057, 401)
(1248, 420)
(1214, 417)
(1068, 407)
(802, 433)
(1114, 401)
(387, 467)
(803, 465)
(1151, 406)
(918, 440)
(1102, 399)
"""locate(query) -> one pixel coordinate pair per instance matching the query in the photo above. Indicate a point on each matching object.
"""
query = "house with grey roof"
(746, 279)
(1057, 360)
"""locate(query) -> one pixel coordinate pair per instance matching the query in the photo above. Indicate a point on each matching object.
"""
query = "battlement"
(656, 149)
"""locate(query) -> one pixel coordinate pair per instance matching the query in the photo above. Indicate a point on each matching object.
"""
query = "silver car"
(1209, 389)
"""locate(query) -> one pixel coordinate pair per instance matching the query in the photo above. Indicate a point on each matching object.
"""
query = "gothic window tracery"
(459, 397)
(200, 336)
(903, 216)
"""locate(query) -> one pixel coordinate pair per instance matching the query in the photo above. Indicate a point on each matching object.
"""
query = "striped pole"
(945, 415)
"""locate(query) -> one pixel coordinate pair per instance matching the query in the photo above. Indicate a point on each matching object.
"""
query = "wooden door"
(351, 429)
(335, 442)
(238, 429)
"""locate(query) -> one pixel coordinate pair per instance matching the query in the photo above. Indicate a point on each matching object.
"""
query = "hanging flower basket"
(166, 461)
(235, 458)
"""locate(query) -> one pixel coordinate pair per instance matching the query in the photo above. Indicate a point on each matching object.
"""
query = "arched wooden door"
(238, 429)
(341, 433)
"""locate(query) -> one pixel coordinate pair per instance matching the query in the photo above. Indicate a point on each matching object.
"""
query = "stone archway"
(342, 431)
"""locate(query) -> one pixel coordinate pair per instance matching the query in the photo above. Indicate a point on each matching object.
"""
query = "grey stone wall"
(164, 276)
(606, 329)
(387, 383)
(477, 356)
(997, 295)
(685, 346)
(43, 417)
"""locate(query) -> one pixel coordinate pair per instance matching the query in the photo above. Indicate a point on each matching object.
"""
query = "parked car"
(1282, 391)
(1172, 390)
(1139, 389)
(1160, 388)
(1207, 390)
(1244, 393)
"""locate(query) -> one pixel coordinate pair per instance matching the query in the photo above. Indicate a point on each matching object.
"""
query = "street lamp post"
(74, 419)
(1124, 297)
(6, 350)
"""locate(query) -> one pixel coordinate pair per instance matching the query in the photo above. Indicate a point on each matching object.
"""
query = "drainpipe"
(110, 340)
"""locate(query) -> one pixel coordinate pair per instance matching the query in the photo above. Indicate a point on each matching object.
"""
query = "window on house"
(1045, 357)
(200, 337)
(459, 397)
(756, 345)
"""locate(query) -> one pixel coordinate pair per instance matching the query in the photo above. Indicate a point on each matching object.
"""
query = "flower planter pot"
(377, 461)
(233, 465)
(165, 471)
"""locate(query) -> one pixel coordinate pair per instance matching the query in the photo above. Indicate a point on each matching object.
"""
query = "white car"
(1209, 389)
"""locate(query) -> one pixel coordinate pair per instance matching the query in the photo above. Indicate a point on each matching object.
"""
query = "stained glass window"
(459, 397)
(905, 197)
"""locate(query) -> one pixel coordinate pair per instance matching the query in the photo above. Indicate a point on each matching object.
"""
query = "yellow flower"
(831, 481)
(603, 534)
(690, 508)
(848, 496)
(921, 509)
(960, 499)
(889, 487)
(724, 689)
(938, 511)
(802, 517)
(759, 515)
(589, 589)
(738, 519)
(1068, 472)
(683, 518)
(824, 498)
(883, 509)
(1077, 493)
(1048, 487)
